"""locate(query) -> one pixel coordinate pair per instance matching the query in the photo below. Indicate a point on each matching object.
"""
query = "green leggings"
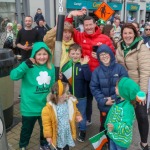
(28, 123)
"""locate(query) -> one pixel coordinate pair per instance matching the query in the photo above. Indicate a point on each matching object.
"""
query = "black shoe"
(144, 148)
(81, 137)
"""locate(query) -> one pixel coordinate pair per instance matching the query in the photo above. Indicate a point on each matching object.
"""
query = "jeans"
(27, 128)
(113, 146)
(89, 102)
(82, 108)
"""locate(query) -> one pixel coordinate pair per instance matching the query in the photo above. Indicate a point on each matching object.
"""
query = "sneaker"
(45, 147)
(88, 123)
(81, 137)
(23, 148)
(143, 148)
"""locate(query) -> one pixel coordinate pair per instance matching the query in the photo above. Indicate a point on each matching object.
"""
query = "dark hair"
(107, 29)
(89, 18)
(54, 92)
(130, 26)
(29, 16)
(39, 9)
(138, 25)
(75, 47)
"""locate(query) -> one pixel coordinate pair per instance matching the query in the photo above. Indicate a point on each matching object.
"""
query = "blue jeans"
(113, 146)
(82, 108)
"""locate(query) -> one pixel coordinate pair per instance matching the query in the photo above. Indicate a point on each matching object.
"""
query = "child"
(104, 80)
(80, 75)
(38, 16)
(59, 115)
(121, 116)
(38, 76)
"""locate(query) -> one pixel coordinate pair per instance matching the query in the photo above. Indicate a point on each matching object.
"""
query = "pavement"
(14, 133)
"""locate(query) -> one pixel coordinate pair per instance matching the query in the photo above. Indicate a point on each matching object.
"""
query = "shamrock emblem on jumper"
(43, 78)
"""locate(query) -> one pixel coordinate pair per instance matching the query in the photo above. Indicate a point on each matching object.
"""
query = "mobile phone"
(95, 48)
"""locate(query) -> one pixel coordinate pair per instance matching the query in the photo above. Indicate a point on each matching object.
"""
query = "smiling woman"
(135, 56)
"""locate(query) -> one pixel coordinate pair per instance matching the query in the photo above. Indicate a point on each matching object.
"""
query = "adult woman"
(8, 36)
(137, 26)
(146, 35)
(50, 38)
(109, 31)
(135, 56)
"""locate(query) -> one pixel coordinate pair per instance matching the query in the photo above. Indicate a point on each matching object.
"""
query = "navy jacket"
(80, 75)
(145, 38)
(104, 79)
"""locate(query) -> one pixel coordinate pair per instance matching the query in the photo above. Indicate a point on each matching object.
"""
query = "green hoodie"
(122, 114)
(36, 83)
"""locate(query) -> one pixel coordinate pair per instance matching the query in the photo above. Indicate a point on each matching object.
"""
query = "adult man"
(42, 28)
(90, 38)
(26, 37)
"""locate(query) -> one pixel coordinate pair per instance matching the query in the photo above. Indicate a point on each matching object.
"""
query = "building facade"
(138, 9)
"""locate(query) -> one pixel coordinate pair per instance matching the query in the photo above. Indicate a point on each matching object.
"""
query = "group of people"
(92, 64)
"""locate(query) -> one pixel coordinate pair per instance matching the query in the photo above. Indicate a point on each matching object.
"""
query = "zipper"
(73, 67)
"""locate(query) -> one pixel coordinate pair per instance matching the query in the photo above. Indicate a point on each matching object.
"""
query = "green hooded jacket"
(36, 83)
(122, 114)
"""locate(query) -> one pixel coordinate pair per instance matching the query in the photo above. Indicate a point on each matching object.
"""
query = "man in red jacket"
(90, 38)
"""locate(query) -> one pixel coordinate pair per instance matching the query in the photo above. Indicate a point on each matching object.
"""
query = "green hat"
(38, 46)
(129, 89)
(101, 22)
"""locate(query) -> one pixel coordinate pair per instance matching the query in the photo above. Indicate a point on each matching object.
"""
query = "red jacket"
(87, 42)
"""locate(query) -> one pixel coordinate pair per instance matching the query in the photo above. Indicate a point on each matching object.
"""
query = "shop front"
(132, 11)
(91, 5)
(147, 12)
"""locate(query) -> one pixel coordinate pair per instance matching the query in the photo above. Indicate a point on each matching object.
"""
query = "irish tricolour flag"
(98, 140)
(67, 71)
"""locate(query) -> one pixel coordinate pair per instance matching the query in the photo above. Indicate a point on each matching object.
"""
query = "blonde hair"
(68, 26)
(54, 96)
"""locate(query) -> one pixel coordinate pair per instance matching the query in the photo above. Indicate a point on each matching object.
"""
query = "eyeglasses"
(147, 29)
(103, 54)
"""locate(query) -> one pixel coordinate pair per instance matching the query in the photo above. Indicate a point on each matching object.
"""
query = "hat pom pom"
(141, 96)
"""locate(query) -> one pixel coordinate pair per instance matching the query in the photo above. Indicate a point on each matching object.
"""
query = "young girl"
(121, 116)
(59, 116)
(38, 76)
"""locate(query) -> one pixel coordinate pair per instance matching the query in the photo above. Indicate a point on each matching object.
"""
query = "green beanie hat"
(101, 22)
(129, 89)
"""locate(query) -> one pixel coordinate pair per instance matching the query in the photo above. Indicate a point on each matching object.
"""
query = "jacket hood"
(128, 88)
(38, 46)
(104, 48)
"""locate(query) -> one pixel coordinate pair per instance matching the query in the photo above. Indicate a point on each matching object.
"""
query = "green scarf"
(127, 49)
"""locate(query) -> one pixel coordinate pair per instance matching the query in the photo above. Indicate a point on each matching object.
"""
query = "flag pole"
(61, 11)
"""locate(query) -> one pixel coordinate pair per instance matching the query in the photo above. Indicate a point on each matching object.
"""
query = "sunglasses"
(147, 29)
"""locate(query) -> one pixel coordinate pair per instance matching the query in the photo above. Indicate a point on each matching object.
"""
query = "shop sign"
(148, 7)
(115, 6)
(133, 7)
(90, 4)
(77, 4)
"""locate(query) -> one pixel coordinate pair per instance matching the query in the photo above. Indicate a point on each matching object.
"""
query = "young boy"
(80, 73)
(121, 116)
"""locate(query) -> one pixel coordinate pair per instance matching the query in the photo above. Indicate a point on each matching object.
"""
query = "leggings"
(142, 119)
